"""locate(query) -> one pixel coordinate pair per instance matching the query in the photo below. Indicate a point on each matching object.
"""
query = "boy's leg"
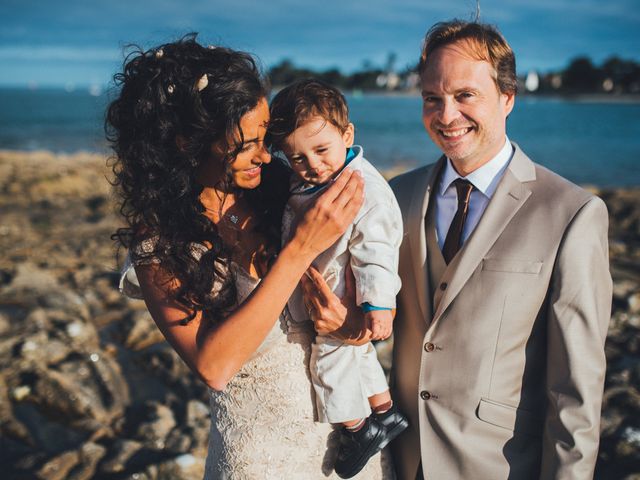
(379, 395)
(340, 394)
(381, 402)
(341, 397)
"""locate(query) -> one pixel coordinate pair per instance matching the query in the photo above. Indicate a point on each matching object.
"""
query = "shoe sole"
(394, 432)
(362, 461)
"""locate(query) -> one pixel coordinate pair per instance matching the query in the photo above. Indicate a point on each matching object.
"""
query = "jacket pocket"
(511, 418)
(511, 266)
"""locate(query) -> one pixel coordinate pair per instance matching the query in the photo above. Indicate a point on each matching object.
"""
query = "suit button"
(429, 347)
(443, 286)
(425, 395)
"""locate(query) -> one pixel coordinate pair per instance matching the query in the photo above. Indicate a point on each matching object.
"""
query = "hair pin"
(170, 88)
(159, 53)
(203, 81)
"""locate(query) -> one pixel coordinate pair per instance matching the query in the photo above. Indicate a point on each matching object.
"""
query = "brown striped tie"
(453, 242)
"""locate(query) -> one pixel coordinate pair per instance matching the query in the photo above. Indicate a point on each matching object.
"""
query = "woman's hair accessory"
(211, 47)
(203, 81)
(170, 88)
(159, 53)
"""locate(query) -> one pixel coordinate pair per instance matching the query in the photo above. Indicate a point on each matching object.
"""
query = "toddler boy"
(310, 126)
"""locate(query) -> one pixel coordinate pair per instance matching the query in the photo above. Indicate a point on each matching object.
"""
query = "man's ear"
(510, 100)
(348, 135)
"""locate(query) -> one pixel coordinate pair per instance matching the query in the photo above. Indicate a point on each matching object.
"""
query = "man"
(499, 339)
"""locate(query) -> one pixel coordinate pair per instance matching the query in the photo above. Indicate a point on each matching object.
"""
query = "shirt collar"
(485, 179)
(353, 158)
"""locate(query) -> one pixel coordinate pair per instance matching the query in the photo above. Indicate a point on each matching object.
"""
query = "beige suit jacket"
(502, 372)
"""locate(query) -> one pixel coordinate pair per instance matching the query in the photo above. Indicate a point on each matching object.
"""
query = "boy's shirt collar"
(353, 158)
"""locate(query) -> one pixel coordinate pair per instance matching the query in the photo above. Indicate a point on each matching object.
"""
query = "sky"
(79, 42)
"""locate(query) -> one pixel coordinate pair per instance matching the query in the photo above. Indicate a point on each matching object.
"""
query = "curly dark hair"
(161, 129)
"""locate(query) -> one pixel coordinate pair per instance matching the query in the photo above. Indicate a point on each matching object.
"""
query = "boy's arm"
(374, 249)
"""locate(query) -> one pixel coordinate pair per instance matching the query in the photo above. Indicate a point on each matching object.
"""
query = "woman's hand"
(339, 318)
(331, 214)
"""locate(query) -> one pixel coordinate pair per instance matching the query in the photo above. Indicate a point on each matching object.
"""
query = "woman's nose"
(263, 155)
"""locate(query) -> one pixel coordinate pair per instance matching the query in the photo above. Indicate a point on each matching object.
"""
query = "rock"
(159, 422)
(66, 301)
(120, 453)
(140, 331)
(68, 398)
(81, 389)
(10, 427)
(32, 278)
(198, 422)
(40, 349)
(634, 302)
(197, 413)
(5, 324)
(89, 456)
(58, 467)
(180, 441)
(166, 365)
(129, 455)
(185, 466)
(37, 319)
(21, 392)
(47, 435)
(623, 288)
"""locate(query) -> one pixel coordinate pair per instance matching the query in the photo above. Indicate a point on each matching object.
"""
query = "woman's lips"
(253, 172)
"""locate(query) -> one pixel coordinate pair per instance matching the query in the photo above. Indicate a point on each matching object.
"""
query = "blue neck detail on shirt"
(351, 154)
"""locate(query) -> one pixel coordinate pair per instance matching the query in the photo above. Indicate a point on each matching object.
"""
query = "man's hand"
(339, 318)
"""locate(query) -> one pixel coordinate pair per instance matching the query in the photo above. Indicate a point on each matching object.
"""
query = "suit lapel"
(508, 198)
(417, 239)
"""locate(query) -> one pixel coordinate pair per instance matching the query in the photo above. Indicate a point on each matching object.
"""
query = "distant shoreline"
(622, 98)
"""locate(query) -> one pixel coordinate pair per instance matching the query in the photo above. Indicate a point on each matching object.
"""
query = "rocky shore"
(89, 388)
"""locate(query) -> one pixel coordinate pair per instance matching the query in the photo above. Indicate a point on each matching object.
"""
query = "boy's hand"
(380, 322)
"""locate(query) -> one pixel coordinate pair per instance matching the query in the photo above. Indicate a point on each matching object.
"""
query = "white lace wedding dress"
(262, 424)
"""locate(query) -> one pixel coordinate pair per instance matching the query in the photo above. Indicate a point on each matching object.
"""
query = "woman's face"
(246, 168)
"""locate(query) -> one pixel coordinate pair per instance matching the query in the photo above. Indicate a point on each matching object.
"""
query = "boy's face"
(317, 150)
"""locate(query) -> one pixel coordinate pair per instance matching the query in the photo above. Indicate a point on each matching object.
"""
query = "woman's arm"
(217, 352)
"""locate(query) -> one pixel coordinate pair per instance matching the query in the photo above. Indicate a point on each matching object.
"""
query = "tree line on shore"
(581, 76)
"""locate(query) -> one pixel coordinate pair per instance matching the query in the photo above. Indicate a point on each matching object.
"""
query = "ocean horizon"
(589, 141)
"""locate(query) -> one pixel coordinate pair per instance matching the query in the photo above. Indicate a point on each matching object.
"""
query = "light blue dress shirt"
(485, 180)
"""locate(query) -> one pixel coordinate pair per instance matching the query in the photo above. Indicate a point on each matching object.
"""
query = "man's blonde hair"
(482, 42)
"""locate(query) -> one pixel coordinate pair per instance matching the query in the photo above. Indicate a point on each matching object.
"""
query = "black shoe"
(394, 423)
(356, 448)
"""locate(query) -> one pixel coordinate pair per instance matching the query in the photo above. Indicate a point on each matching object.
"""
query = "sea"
(589, 141)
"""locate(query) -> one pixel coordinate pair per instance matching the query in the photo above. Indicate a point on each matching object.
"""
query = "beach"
(88, 386)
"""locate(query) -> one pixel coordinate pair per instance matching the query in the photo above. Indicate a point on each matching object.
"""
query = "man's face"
(463, 111)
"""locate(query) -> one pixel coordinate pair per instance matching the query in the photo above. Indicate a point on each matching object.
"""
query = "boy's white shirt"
(370, 244)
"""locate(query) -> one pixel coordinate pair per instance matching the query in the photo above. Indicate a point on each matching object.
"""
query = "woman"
(203, 204)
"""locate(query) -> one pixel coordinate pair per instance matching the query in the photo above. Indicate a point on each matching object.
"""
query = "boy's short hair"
(297, 103)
